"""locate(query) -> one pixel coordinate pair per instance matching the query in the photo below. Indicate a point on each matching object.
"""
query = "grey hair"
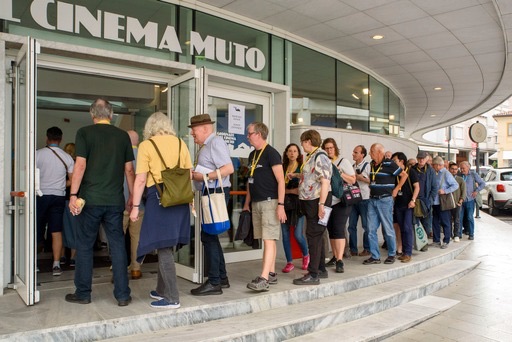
(438, 161)
(101, 109)
(158, 124)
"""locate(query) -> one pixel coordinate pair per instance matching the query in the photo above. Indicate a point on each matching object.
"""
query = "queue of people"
(292, 193)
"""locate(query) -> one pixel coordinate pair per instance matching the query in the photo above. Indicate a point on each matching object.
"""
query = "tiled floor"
(484, 313)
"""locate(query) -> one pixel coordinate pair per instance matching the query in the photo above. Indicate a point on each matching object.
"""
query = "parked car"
(497, 194)
(483, 170)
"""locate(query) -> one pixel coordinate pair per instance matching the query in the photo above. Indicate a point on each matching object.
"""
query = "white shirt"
(52, 173)
(365, 187)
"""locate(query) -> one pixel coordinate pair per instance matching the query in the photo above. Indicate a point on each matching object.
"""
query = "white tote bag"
(214, 212)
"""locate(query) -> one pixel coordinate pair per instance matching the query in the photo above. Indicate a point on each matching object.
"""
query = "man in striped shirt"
(383, 173)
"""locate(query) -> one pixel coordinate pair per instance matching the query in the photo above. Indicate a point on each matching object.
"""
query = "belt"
(379, 196)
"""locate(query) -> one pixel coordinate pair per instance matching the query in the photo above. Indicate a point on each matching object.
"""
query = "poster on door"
(236, 120)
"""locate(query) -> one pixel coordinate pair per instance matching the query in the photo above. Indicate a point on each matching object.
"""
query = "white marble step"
(383, 324)
(290, 321)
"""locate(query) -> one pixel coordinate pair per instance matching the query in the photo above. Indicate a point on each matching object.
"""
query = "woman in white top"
(337, 224)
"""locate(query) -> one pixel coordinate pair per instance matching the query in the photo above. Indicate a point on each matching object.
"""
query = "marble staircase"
(363, 297)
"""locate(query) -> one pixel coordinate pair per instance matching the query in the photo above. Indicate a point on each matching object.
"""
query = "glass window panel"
(352, 98)
(394, 114)
(278, 59)
(509, 129)
(234, 36)
(313, 87)
(379, 107)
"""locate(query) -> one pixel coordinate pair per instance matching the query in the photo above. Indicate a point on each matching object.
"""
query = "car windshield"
(506, 176)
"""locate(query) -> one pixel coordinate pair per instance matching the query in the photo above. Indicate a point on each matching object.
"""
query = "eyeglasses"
(251, 133)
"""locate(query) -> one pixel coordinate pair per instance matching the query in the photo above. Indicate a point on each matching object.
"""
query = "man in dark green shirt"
(103, 157)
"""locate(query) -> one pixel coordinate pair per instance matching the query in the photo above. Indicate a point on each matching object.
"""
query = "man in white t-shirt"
(54, 165)
(362, 169)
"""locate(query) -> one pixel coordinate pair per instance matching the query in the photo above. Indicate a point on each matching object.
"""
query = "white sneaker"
(456, 239)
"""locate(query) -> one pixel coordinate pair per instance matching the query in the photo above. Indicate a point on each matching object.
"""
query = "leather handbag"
(446, 201)
(214, 212)
(177, 186)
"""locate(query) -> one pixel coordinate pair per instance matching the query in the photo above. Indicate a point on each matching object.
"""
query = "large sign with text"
(66, 17)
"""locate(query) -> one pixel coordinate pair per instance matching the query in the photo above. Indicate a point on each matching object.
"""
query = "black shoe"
(339, 266)
(224, 283)
(72, 298)
(389, 260)
(370, 261)
(307, 280)
(471, 238)
(124, 302)
(206, 289)
(323, 274)
(331, 262)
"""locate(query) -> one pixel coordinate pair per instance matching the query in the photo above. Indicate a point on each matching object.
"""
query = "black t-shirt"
(264, 184)
(407, 190)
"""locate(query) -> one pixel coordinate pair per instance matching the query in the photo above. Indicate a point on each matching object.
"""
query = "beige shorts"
(265, 221)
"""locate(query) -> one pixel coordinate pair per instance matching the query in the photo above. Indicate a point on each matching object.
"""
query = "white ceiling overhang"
(460, 46)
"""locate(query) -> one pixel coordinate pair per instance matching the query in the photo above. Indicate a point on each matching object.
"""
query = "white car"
(497, 193)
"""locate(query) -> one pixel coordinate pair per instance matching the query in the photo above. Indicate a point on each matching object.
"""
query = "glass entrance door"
(184, 100)
(24, 173)
(233, 110)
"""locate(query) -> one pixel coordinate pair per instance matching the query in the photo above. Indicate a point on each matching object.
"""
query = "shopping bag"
(214, 212)
(420, 236)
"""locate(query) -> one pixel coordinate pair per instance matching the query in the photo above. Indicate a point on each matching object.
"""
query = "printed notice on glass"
(327, 213)
(236, 122)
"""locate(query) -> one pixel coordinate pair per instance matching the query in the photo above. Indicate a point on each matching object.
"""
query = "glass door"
(26, 178)
(233, 110)
(185, 100)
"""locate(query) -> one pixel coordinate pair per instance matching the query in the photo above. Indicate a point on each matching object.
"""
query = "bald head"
(377, 153)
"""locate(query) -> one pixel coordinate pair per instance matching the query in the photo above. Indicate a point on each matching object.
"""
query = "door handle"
(17, 194)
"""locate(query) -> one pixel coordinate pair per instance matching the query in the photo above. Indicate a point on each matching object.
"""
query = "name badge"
(372, 183)
(250, 180)
(399, 193)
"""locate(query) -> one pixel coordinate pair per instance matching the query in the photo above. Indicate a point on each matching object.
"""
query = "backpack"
(336, 180)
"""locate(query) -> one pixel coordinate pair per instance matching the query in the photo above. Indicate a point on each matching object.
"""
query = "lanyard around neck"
(374, 173)
(255, 162)
(309, 157)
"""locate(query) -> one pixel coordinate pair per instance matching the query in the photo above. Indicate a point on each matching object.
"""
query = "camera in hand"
(358, 171)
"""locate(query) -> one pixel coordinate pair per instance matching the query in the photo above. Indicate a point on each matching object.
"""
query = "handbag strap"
(158, 188)
(218, 180)
(59, 158)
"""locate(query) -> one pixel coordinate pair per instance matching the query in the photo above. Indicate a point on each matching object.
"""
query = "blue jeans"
(441, 218)
(88, 226)
(299, 237)
(360, 209)
(380, 212)
(215, 263)
(466, 217)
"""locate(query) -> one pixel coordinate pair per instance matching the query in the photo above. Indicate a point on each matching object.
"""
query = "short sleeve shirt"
(364, 166)
(149, 162)
(402, 201)
(264, 186)
(345, 167)
(213, 155)
(382, 177)
(317, 166)
(106, 149)
(52, 172)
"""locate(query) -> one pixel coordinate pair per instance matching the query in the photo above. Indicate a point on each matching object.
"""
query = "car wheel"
(492, 208)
